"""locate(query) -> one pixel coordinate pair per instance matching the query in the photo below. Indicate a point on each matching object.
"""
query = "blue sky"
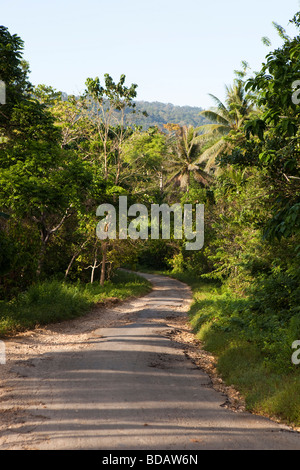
(176, 51)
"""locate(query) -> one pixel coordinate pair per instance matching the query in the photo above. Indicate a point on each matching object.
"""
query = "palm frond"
(218, 102)
(173, 177)
(210, 154)
(214, 117)
(217, 129)
(203, 177)
(184, 180)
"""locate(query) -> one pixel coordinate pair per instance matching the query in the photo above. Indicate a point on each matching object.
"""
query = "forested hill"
(148, 114)
(163, 113)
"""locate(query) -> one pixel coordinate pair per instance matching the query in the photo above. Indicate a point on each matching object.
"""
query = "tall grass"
(253, 354)
(53, 301)
(253, 351)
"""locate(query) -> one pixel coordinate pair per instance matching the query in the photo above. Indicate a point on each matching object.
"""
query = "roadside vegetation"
(253, 352)
(55, 301)
(61, 157)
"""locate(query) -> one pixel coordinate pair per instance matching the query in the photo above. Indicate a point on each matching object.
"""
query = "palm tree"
(225, 118)
(186, 145)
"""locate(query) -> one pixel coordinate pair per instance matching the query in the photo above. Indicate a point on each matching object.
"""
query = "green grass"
(54, 301)
(253, 355)
(254, 361)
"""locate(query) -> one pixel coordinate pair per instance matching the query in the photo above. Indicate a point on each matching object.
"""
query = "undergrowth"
(53, 301)
(251, 340)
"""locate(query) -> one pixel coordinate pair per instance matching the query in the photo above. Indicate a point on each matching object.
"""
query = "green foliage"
(116, 93)
(158, 114)
(252, 348)
(54, 301)
(185, 145)
(61, 157)
(226, 119)
(145, 149)
(14, 73)
(278, 127)
(252, 320)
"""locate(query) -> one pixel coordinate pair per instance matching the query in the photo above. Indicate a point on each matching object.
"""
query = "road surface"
(128, 386)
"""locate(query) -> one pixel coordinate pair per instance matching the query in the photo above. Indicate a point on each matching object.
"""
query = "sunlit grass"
(220, 320)
(53, 301)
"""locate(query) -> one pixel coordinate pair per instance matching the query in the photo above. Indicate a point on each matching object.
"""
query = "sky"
(176, 51)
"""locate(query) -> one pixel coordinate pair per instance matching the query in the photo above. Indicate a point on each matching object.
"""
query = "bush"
(53, 301)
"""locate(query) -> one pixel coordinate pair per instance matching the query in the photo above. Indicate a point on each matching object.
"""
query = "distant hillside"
(161, 113)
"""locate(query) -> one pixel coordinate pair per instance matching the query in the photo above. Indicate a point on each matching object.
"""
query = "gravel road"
(119, 379)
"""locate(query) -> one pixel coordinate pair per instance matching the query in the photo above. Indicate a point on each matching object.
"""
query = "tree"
(186, 146)
(14, 73)
(143, 156)
(228, 118)
(46, 94)
(77, 130)
(279, 132)
(40, 183)
(109, 104)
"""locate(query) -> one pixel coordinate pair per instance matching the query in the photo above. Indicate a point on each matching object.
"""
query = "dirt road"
(116, 379)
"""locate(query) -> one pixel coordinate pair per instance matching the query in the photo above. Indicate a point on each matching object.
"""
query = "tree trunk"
(103, 263)
(45, 235)
(73, 259)
(118, 168)
(94, 266)
(41, 258)
(93, 269)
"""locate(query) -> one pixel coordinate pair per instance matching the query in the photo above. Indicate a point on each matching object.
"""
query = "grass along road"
(116, 380)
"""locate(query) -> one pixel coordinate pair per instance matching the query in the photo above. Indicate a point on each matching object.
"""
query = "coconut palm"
(225, 118)
(186, 144)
